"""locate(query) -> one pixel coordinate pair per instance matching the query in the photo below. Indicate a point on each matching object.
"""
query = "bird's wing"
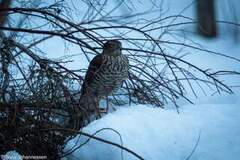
(93, 67)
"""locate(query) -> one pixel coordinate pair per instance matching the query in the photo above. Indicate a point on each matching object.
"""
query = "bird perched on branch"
(104, 76)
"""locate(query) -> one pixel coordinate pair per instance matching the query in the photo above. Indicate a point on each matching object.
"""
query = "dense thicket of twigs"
(39, 94)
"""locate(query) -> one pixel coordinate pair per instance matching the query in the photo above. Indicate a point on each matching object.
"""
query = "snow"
(11, 155)
(157, 134)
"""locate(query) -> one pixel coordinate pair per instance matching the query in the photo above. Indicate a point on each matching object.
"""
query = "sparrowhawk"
(104, 76)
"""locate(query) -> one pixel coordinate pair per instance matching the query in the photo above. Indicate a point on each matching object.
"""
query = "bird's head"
(112, 48)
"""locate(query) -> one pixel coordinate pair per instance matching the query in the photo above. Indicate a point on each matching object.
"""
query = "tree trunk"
(3, 15)
(206, 18)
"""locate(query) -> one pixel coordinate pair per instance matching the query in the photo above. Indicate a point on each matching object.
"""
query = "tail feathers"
(90, 105)
(84, 113)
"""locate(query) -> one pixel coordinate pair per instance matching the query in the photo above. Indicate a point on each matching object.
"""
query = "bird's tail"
(90, 105)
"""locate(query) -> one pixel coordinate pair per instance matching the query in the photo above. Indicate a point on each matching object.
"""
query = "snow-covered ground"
(210, 130)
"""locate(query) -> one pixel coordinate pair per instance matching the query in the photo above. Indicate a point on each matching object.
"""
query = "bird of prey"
(104, 76)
